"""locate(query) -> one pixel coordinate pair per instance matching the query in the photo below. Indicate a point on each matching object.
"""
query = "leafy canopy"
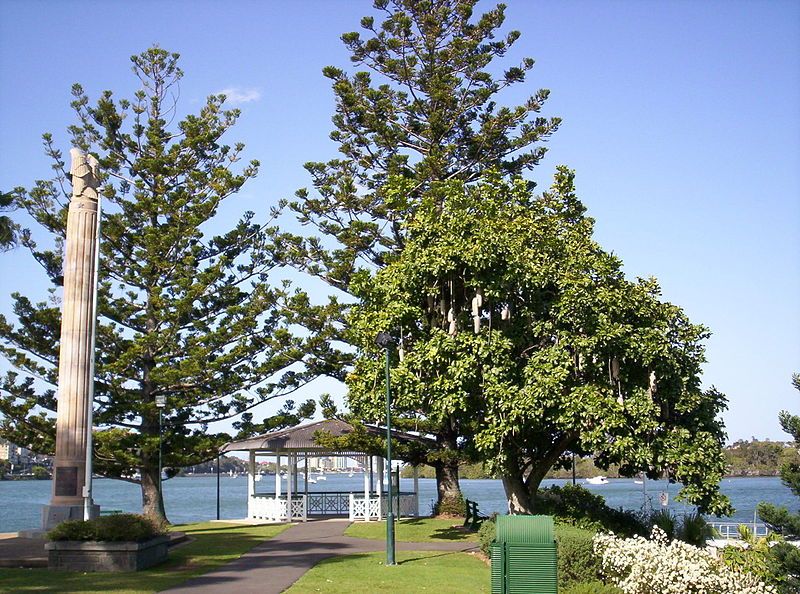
(525, 337)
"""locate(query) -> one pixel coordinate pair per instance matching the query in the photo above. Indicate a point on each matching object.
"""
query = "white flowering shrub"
(641, 566)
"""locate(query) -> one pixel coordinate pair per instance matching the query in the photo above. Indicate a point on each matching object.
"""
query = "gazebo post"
(367, 481)
(294, 472)
(289, 479)
(371, 482)
(305, 463)
(416, 490)
(251, 482)
(277, 476)
(379, 469)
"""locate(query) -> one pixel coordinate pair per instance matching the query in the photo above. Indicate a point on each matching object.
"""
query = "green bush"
(486, 534)
(40, 473)
(451, 506)
(595, 587)
(115, 528)
(666, 520)
(695, 530)
(574, 505)
(576, 560)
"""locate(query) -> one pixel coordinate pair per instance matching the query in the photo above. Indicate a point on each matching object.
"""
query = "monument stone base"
(52, 515)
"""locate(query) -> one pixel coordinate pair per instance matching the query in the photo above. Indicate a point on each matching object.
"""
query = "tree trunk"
(519, 499)
(152, 496)
(450, 500)
(447, 486)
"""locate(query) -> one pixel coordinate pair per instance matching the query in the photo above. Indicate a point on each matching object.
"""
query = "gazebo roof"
(301, 438)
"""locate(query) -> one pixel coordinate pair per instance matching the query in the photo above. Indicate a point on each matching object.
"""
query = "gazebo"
(293, 501)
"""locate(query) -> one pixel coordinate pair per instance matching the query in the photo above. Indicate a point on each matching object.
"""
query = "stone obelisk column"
(76, 350)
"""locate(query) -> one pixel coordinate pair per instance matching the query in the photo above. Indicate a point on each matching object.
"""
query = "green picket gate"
(524, 556)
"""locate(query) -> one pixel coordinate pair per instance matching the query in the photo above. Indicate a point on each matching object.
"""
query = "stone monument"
(76, 354)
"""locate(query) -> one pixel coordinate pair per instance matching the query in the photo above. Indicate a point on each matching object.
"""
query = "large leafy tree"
(423, 106)
(780, 518)
(523, 340)
(185, 311)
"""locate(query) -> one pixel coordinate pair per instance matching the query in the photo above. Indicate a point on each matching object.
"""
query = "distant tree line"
(743, 458)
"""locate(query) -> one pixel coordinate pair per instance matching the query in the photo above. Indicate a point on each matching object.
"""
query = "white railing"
(377, 507)
(267, 507)
(730, 530)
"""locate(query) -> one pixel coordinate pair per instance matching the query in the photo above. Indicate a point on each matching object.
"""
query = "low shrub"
(577, 562)
(596, 587)
(486, 534)
(450, 507)
(641, 566)
(695, 530)
(757, 557)
(574, 505)
(666, 521)
(114, 528)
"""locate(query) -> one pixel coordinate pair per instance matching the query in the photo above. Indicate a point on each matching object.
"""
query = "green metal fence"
(524, 556)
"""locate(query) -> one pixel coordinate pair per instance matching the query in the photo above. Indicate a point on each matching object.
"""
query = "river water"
(192, 499)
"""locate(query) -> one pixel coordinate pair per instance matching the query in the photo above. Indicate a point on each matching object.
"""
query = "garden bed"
(96, 556)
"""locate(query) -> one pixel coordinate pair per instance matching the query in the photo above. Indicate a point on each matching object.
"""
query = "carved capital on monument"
(84, 172)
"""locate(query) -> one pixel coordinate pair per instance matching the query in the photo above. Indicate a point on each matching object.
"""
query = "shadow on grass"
(429, 556)
(453, 533)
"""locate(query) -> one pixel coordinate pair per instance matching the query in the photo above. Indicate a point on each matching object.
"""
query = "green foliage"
(579, 507)
(514, 323)
(759, 458)
(183, 313)
(8, 229)
(452, 506)
(486, 534)
(756, 558)
(666, 521)
(576, 559)
(695, 530)
(113, 528)
(423, 108)
(787, 557)
(40, 473)
(782, 559)
(779, 519)
(595, 587)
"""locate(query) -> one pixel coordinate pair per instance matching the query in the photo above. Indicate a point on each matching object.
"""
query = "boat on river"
(597, 480)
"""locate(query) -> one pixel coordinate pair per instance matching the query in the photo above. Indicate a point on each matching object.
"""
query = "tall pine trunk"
(152, 495)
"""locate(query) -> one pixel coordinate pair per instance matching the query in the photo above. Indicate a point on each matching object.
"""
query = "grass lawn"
(429, 571)
(213, 545)
(414, 530)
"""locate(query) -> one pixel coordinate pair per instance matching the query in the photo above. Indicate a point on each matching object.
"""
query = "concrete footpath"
(275, 564)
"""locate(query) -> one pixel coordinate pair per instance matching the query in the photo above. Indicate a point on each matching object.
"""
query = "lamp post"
(161, 402)
(386, 342)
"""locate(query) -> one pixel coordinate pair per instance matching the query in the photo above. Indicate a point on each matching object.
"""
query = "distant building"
(6, 449)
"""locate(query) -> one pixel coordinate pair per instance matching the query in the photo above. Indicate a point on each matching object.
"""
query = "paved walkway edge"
(274, 565)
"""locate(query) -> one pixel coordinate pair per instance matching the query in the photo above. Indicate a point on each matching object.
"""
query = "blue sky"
(681, 119)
